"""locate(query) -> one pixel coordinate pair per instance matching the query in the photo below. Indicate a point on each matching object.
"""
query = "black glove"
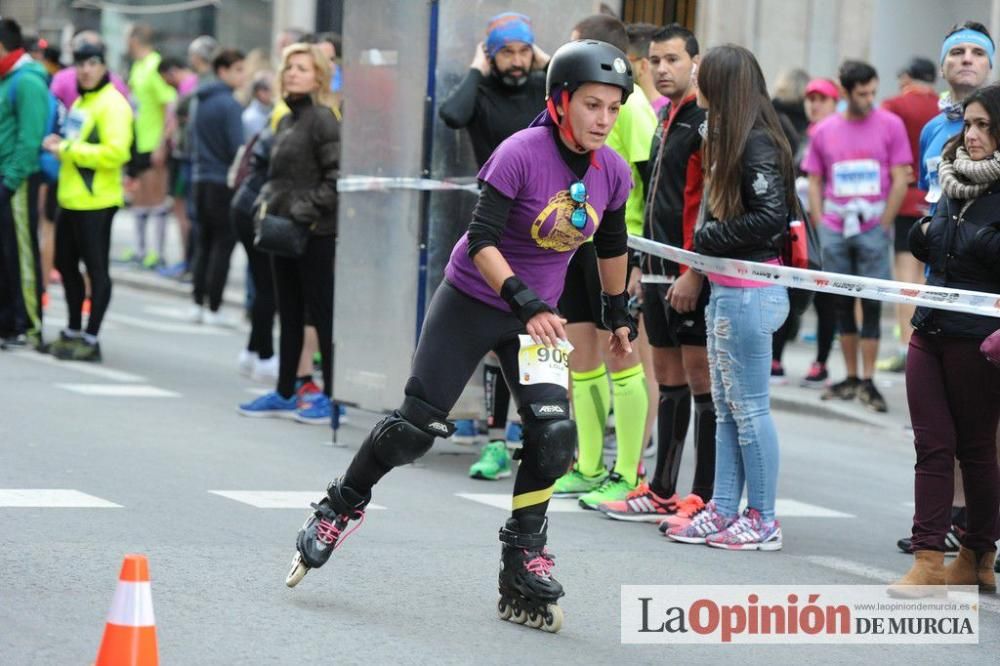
(523, 302)
(615, 314)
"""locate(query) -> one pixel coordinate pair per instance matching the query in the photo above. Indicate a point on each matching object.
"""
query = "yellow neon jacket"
(98, 143)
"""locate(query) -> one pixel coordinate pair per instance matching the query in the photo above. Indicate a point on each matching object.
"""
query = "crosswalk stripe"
(120, 390)
(84, 368)
(502, 501)
(278, 499)
(51, 498)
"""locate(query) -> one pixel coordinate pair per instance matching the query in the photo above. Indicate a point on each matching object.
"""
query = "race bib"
(857, 178)
(74, 124)
(933, 185)
(538, 364)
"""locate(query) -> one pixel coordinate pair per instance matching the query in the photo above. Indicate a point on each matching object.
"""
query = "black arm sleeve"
(489, 217)
(611, 239)
(460, 106)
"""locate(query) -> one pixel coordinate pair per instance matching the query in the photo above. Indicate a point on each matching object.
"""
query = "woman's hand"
(618, 342)
(683, 294)
(547, 328)
(51, 144)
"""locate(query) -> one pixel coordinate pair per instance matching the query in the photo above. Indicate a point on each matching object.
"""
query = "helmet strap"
(563, 123)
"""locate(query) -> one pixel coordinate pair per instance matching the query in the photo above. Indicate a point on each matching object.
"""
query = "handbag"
(279, 235)
(991, 348)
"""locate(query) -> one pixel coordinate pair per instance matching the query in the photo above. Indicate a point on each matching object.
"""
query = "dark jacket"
(675, 184)
(757, 234)
(962, 251)
(305, 164)
(218, 132)
(491, 110)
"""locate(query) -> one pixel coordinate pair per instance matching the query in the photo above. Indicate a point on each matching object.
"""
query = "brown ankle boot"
(927, 570)
(972, 568)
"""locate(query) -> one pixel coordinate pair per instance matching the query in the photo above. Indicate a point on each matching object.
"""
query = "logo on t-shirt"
(553, 230)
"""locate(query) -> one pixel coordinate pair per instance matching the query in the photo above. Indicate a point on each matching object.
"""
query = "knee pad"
(409, 432)
(549, 438)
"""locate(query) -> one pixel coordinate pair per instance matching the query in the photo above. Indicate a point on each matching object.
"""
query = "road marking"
(169, 312)
(880, 575)
(784, 508)
(277, 499)
(257, 391)
(166, 327)
(85, 368)
(120, 390)
(52, 498)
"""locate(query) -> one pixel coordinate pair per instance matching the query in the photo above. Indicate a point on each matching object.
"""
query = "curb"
(828, 410)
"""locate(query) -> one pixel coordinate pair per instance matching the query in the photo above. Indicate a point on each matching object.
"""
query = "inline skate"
(323, 530)
(528, 592)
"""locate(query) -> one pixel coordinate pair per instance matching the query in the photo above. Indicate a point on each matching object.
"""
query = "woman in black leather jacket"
(952, 390)
(749, 190)
(302, 186)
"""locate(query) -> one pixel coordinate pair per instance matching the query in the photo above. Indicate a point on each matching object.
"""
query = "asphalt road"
(154, 435)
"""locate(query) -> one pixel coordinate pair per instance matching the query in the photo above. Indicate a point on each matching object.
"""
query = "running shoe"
(62, 345)
(515, 433)
(952, 541)
(777, 373)
(870, 396)
(706, 522)
(14, 342)
(614, 489)
(246, 361)
(270, 405)
(152, 261)
(894, 363)
(686, 510)
(749, 532)
(317, 411)
(265, 370)
(79, 350)
(845, 390)
(465, 432)
(574, 483)
(306, 392)
(493, 463)
(817, 376)
(640, 505)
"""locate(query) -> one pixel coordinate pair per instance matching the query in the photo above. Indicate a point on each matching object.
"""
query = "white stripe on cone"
(132, 605)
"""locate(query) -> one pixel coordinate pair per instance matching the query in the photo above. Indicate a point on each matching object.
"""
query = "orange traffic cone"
(130, 633)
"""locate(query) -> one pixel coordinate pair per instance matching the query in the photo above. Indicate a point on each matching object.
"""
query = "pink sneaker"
(640, 505)
(706, 522)
(687, 508)
(749, 532)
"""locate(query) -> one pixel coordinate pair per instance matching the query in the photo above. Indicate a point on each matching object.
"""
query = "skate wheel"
(504, 609)
(297, 572)
(553, 619)
(535, 620)
(520, 615)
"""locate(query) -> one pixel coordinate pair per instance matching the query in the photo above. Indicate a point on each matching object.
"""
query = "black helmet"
(589, 61)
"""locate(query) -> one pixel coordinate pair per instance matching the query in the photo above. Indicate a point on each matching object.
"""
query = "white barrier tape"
(941, 298)
(384, 184)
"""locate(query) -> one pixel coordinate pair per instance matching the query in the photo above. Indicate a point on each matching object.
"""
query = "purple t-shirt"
(855, 159)
(539, 239)
(63, 86)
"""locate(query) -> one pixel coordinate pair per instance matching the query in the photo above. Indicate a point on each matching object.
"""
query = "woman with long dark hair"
(952, 390)
(749, 191)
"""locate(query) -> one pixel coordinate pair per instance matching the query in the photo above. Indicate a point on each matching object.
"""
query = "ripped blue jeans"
(740, 323)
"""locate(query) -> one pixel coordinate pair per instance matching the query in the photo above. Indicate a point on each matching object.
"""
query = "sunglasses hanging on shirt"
(578, 193)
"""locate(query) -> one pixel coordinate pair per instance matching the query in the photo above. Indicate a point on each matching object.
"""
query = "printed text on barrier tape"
(384, 184)
(958, 300)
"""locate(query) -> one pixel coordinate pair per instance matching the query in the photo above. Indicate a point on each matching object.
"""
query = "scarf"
(8, 61)
(964, 178)
(951, 110)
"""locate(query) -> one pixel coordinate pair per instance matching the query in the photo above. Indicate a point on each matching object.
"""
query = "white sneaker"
(265, 370)
(218, 319)
(247, 362)
(196, 314)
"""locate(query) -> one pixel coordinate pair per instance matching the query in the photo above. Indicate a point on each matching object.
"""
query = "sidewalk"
(123, 238)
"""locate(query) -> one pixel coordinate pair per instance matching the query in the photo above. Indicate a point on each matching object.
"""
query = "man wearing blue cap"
(502, 93)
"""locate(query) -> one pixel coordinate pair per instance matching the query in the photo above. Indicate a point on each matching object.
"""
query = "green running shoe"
(614, 489)
(152, 260)
(894, 363)
(493, 463)
(79, 350)
(574, 483)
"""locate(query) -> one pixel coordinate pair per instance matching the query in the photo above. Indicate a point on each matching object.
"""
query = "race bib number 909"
(538, 364)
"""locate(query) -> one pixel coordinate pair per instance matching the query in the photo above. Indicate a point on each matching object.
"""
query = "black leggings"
(85, 235)
(457, 332)
(826, 323)
(215, 243)
(262, 314)
(304, 285)
(871, 317)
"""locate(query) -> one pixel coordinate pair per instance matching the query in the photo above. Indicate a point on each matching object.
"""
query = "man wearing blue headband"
(501, 94)
(966, 62)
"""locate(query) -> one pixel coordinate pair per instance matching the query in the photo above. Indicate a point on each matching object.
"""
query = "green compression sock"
(591, 406)
(631, 405)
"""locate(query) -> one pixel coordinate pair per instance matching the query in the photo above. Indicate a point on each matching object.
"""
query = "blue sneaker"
(514, 432)
(465, 432)
(270, 405)
(317, 411)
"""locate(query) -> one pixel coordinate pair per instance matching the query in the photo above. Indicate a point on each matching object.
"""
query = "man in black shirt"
(504, 89)
(502, 93)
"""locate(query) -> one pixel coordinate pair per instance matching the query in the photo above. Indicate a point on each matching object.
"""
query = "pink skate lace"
(540, 565)
(329, 533)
